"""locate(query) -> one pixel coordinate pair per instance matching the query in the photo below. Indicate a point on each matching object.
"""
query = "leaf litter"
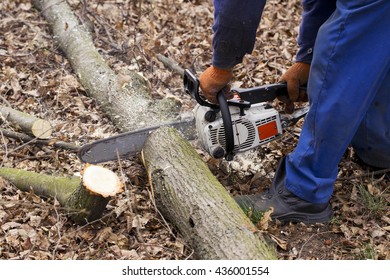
(36, 78)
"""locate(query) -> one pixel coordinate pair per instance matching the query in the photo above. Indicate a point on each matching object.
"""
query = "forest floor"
(35, 77)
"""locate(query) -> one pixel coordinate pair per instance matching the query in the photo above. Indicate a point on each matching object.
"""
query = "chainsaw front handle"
(227, 125)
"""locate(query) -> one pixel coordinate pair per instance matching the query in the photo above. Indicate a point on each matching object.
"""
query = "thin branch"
(366, 174)
(170, 64)
(307, 241)
(29, 140)
(85, 10)
(22, 54)
(123, 177)
(5, 100)
(23, 156)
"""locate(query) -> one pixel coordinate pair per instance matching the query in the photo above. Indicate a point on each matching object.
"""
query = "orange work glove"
(296, 76)
(214, 79)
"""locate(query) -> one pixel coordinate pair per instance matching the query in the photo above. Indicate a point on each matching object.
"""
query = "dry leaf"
(38, 79)
(280, 242)
(377, 233)
(266, 218)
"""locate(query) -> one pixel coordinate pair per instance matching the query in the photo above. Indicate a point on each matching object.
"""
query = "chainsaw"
(236, 125)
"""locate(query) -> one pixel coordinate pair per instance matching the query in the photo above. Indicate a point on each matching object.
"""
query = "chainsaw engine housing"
(258, 125)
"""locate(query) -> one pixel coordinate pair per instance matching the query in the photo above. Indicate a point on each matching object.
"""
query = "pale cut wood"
(82, 205)
(101, 181)
(29, 124)
(189, 196)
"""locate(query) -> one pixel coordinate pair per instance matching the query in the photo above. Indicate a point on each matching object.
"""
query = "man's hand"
(296, 76)
(212, 80)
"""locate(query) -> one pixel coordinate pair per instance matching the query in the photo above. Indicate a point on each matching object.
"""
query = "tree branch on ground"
(32, 125)
(30, 140)
(84, 198)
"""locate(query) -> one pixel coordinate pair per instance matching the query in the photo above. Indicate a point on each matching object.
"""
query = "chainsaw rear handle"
(191, 85)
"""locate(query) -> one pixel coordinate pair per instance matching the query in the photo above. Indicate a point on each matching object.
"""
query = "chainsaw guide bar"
(128, 144)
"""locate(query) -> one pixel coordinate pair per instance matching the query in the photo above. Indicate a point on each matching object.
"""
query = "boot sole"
(306, 218)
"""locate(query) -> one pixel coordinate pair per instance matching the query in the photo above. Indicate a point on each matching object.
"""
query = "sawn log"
(190, 197)
(29, 124)
(84, 198)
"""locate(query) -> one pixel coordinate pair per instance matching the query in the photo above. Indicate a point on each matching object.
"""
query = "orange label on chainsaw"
(267, 130)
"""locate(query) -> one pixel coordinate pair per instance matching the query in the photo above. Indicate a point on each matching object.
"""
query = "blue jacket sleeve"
(235, 25)
(315, 13)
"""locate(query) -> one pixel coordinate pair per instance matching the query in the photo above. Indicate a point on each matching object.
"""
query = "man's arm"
(235, 25)
(315, 13)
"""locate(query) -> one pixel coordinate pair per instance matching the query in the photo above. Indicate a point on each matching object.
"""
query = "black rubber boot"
(287, 207)
(376, 170)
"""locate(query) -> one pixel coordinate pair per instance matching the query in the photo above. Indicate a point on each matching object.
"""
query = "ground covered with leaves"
(36, 78)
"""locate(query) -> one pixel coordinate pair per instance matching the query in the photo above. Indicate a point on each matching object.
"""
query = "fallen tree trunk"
(187, 194)
(126, 100)
(84, 198)
(185, 190)
(29, 124)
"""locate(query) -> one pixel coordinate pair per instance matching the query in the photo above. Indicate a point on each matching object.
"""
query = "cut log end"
(101, 181)
(41, 129)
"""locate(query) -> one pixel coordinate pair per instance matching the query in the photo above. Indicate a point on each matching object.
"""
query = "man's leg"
(350, 64)
(372, 140)
(351, 61)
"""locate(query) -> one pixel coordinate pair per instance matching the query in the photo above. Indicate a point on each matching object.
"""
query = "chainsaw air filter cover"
(260, 124)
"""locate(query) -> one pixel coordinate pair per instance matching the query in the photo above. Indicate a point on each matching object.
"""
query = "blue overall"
(347, 43)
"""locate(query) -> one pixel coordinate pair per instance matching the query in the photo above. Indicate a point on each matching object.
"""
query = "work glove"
(296, 76)
(213, 80)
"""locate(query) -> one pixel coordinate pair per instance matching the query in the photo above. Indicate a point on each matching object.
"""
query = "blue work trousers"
(349, 93)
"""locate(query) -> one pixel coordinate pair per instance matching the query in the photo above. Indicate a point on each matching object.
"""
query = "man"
(345, 45)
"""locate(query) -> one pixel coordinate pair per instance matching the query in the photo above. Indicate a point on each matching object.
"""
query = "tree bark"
(77, 195)
(29, 124)
(125, 99)
(187, 194)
